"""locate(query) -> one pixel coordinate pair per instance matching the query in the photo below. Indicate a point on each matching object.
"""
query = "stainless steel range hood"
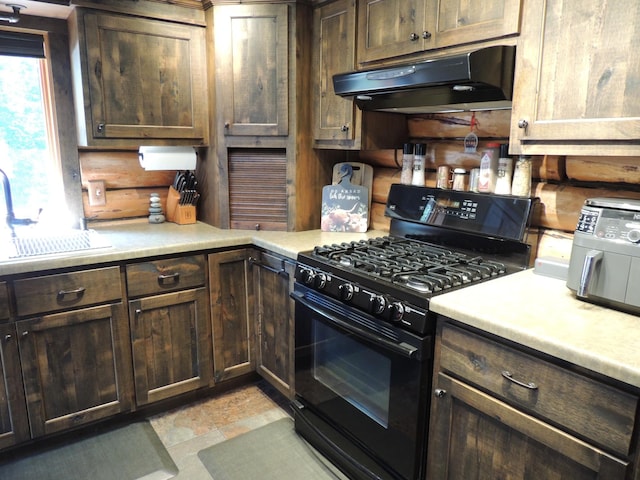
(478, 80)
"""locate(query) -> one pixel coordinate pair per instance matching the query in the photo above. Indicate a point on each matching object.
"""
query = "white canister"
(489, 168)
(522, 177)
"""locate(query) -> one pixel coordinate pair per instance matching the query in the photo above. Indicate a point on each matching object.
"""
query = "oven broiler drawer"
(580, 405)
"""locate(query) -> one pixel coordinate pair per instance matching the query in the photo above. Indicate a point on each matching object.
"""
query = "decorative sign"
(345, 207)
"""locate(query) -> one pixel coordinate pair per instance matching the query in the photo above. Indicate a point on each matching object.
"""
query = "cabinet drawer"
(582, 406)
(52, 293)
(4, 301)
(165, 275)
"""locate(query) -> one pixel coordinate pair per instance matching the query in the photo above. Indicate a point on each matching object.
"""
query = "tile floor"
(188, 429)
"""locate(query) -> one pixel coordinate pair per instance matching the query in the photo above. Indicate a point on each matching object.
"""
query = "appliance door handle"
(591, 261)
(400, 348)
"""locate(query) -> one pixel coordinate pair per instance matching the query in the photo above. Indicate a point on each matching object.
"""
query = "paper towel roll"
(167, 158)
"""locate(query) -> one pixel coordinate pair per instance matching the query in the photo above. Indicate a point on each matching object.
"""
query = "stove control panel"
(377, 304)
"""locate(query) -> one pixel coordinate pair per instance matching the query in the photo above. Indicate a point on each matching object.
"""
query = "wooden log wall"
(561, 183)
(127, 184)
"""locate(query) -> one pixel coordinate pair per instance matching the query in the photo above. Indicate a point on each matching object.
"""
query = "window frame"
(63, 134)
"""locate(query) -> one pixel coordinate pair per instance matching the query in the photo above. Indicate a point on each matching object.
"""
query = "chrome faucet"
(11, 218)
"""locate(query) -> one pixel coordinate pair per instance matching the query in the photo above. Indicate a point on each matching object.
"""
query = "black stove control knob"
(307, 275)
(378, 304)
(397, 311)
(346, 291)
(320, 280)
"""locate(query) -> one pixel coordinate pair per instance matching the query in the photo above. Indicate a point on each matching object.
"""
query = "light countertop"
(136, 239)
(543, 314)
(533, 310)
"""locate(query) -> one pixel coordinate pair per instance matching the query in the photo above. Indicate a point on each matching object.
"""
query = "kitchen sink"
(29, 244)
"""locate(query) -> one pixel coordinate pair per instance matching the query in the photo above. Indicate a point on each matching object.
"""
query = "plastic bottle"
(488, 168)
(407, 164)
(419, 161)
(522, 177)
(505, 171)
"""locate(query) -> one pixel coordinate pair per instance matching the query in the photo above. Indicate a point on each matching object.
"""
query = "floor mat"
(272, 452)
(132, 452)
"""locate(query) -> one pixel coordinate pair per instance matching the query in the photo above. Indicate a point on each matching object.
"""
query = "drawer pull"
(76, 292)
(531, 386)
(163, 279)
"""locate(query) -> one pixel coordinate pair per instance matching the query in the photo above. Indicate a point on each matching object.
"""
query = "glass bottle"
(505, 171)
(407, 164)
(419, 161)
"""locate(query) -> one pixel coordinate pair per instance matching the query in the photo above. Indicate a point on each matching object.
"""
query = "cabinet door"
(389, 28)
(171, 344)
(251, 69)
(232, 318)
(334, 52)
(275, 337)
(76, 367)
(577, 79)
(144, 79)
(461, 21)
(14, 424)
(473, 435)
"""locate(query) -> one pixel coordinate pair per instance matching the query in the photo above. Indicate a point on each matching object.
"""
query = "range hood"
(477, 80)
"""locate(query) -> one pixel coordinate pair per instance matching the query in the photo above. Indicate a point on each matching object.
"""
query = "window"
(41, 164)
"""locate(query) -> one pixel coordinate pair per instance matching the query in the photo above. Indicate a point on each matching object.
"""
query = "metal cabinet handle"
(8, 337)
(76, 292)
(439, 392)
(100, 128)
(530, 385)
(426, 35)
(175, 277)
(523, 124)
(282, 272)
(344, 128)
(414, 37)
(591, 261)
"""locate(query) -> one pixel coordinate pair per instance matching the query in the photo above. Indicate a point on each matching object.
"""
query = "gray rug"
(272, 452)
(131, 452)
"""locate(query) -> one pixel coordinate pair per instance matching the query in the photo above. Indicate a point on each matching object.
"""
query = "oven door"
(363, 383)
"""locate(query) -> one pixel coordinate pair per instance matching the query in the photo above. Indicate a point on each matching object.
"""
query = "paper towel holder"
(167, 157)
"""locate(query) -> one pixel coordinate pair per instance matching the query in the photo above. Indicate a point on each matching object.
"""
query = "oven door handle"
(401, 348)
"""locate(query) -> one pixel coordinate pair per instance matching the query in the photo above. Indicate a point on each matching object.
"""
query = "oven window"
(356, 373)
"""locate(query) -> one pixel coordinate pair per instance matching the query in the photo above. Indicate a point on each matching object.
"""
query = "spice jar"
(522, 177)
(407, 164)
(459, 179)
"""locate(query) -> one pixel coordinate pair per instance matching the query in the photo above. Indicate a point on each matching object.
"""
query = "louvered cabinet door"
(258, 193)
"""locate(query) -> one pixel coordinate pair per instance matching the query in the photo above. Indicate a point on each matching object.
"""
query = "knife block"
(176, 213)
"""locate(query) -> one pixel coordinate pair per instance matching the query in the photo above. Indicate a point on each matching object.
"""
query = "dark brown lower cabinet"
(274, 276)
(473, 435)
(14, 425)
(76, 367)
(499, 412)
(232, 300)
(171, 344)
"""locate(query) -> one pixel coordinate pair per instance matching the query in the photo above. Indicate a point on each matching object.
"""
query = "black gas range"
(364, 329)
(440, 241)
